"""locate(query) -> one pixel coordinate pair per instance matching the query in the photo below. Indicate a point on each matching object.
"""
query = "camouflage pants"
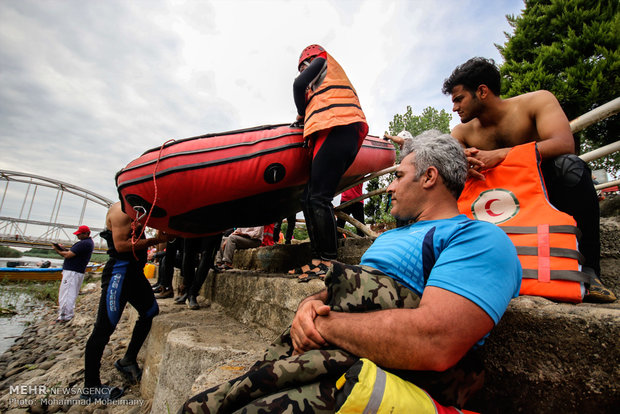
(285, 383)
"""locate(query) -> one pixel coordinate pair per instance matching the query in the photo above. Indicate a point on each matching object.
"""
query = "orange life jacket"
(332, 101)
(514, 197)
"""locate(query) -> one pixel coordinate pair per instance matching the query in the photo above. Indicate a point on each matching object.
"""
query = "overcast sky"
(87, 86)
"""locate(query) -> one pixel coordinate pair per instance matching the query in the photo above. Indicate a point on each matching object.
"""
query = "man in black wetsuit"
(122, 281)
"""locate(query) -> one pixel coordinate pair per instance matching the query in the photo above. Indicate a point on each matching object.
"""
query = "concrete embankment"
(542, 357)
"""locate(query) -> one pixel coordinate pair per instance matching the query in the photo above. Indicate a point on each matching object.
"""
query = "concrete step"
(188, 351)
(548, 357)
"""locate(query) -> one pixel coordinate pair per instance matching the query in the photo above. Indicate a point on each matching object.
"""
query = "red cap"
(82, 229)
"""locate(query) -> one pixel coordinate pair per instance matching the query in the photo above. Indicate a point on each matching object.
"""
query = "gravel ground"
(43, 371)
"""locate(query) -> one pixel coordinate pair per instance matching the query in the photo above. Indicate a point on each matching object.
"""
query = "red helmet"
(311, 51)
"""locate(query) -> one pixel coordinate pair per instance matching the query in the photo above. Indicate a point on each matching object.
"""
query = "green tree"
(430, 118)
(571, 48)
(376, 208)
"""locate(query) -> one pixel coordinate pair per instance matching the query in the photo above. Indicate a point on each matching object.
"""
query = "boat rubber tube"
(210, 183)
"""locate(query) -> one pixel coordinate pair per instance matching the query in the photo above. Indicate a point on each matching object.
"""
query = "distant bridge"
(36, 211)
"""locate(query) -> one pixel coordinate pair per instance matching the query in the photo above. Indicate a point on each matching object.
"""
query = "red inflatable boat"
(244, 178)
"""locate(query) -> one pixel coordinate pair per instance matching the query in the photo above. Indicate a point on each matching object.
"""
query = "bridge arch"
(37, 210)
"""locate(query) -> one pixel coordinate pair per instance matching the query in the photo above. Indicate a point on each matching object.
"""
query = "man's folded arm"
(303, 332)
(434, 336)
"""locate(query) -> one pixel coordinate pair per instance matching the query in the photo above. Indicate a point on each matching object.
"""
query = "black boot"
(181, 299)
(131, 372)
(192, 304)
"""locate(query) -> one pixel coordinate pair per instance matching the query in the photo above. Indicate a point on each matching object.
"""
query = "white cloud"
(86, 87)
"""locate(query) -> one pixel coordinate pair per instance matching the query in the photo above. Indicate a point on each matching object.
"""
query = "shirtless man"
(122, 281)
(491, 126)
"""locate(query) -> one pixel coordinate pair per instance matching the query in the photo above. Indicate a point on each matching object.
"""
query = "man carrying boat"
(73, 269)
(334, 127)
(423, 300)
(492, 126)
(122, 281)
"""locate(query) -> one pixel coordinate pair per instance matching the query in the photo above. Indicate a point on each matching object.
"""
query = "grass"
(39, 291)
(15, 294)
(99, 258)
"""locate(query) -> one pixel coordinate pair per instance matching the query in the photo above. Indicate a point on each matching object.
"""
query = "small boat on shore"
(40, 274)
(31, 273)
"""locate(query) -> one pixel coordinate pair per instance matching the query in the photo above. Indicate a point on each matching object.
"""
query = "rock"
(58, 351)
(610, 207)
(13, 365)
(191, 350)
(14, 371)
(47, 365)
(31, 373)
(55, 408)
(89, 288)
(77, 409)
(37, 409)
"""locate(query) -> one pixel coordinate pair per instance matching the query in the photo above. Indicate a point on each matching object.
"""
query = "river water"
(27, 309)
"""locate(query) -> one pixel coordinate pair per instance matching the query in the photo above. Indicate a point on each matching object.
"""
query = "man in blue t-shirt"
(425, 296)
(465, 271)
(73, 269)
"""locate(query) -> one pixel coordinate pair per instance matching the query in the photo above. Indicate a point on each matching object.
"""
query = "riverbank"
(42, 372)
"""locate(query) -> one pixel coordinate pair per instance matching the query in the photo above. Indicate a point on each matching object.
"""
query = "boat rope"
(136, 221)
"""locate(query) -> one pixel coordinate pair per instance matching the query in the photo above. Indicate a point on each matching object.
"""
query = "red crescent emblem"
(487, 207)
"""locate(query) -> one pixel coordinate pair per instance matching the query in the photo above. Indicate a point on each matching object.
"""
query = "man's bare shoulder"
(465, 132)
(116, 218)
(531, 101)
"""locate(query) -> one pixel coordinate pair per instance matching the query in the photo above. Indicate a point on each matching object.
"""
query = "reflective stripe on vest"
(373, 390)
(332, 102)
(513, 196)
